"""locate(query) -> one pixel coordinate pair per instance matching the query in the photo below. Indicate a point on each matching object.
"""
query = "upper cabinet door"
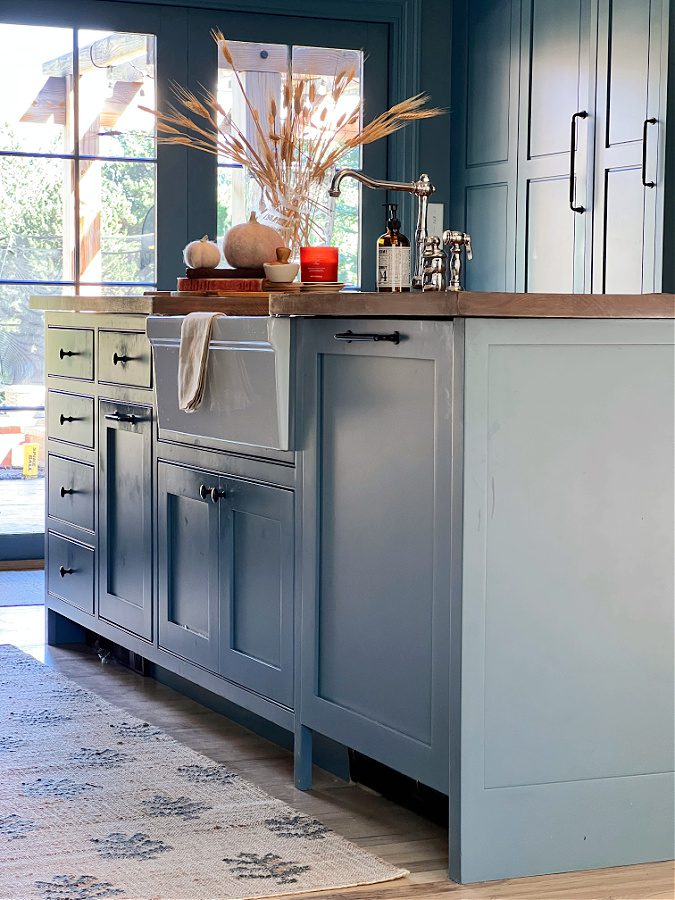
(486, 61)
(554, 143)
(629, 130)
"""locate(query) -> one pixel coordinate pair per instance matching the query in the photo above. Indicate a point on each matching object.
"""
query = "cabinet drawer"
(70, 418)
(70, 572)
(124, 358)
(70, 352)
(71, 491)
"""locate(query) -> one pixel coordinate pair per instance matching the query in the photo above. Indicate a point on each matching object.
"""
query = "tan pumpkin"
(202, 254)
(250, 245)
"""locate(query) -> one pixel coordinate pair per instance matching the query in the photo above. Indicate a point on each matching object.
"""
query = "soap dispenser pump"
(393, 255)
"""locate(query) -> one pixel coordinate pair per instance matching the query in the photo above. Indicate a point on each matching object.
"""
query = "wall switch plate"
(435, 219)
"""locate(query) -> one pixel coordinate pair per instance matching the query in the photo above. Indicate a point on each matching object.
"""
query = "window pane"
(36, 219)
(22, 396)
(117, 221)
(340, 218)
(263, 69)
(117, 76)
(36, 100)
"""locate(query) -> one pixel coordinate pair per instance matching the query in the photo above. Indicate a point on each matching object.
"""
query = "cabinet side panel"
(567, 620)
(579, 606)
(377, 486)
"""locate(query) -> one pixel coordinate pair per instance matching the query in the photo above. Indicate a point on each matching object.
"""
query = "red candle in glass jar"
(319, 264)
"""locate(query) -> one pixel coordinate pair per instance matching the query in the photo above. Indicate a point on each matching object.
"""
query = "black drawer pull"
(63, 419)
(65, 491)
(645, 124)
(63, 353)
(122, 417)
(63, 571)
(214, 492)
(122, 359)
(349, 336)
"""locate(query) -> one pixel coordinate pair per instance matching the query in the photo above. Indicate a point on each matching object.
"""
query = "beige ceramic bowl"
(285, 272)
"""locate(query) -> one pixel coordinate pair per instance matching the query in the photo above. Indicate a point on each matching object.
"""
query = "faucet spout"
(422, 189)
(411, 187)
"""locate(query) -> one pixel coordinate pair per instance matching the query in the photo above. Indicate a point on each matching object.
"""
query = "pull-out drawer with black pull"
(69, 352)
(71, 491)
(70, 572)
(70, 418)
(124, 358)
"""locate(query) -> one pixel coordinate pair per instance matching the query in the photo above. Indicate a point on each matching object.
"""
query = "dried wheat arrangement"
(296, 144)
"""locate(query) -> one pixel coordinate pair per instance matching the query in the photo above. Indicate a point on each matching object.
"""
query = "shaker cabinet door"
(555, 141)
(125, 516)
(629, 139)
(256, 559)
(187, 528)
(377, 419)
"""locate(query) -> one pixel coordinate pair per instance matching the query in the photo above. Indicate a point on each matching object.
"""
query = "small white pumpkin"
(202, 254)
(250, 245)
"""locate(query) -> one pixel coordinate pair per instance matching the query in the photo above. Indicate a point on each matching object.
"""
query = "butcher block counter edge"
(467, 304)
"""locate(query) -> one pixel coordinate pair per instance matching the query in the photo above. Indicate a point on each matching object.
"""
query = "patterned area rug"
(95, 803)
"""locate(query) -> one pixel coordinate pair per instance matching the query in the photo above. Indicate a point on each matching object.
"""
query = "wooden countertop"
(477, 304)
(347, 304)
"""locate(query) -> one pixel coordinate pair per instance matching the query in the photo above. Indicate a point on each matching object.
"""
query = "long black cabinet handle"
(63, 571)
(349, 336)
(645, 125)
(215, 493)
(63, 353)
(573, 153)
(65, 490)
(63, 419)
(122, 417)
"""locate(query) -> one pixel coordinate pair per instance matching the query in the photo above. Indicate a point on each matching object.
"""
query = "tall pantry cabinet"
(559, 134)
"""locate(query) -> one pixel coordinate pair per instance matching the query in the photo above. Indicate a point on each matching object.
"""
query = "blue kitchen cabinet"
(225, 560)
(560, 132)
(377, 434)
(125, 511)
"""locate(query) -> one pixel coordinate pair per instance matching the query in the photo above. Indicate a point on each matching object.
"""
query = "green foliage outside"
(32, 242)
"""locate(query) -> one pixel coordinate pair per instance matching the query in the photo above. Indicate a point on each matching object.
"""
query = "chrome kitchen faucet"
(422, 189)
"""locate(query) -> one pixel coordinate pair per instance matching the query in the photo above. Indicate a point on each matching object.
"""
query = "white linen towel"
(193, 357)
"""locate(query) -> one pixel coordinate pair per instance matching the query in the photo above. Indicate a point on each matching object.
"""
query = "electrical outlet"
(435, 219)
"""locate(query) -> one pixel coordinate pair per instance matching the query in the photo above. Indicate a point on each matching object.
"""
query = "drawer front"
(70, 352)
(124, 358)
(70, 572)
(70, 418)
(71, 491)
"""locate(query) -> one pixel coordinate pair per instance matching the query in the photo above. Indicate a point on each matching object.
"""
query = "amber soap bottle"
(393, 255)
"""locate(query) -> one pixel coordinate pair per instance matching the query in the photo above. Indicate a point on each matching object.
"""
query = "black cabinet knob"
(121, 359)
(65, 491)
(63, 571)
(213, 492)
(63, 419)
(63, 353)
